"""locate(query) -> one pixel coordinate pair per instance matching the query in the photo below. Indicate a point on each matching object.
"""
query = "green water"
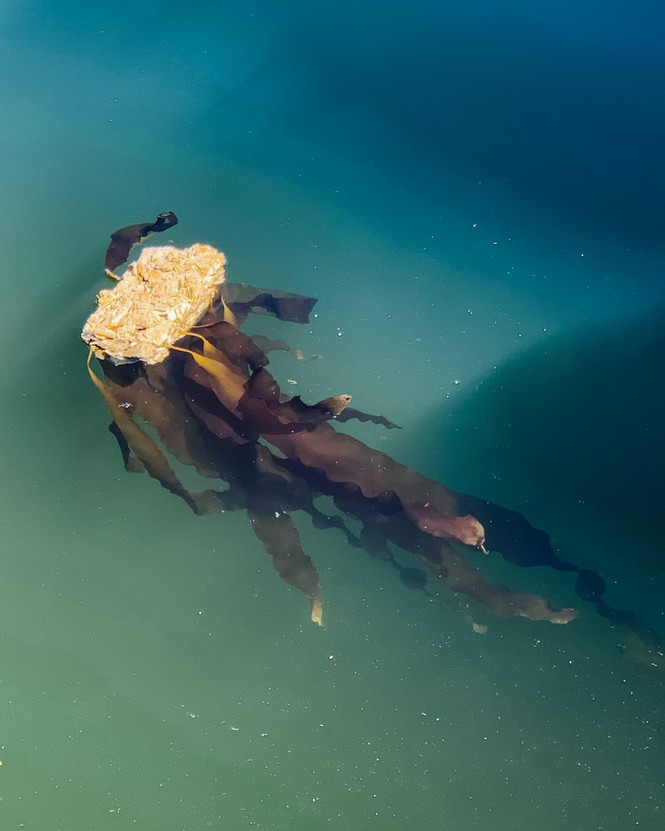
(155, 673)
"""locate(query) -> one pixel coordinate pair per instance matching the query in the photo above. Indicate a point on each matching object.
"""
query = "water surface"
(473, 194)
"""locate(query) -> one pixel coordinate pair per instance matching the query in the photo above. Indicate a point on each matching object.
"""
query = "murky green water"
(155, 673)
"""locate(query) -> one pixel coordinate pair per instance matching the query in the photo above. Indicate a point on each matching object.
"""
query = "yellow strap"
(228, 386)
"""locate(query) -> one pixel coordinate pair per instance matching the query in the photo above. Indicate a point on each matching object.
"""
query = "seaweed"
(124, 239)
(216, 407)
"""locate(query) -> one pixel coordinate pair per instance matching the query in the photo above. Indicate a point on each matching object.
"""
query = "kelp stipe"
(227, 386)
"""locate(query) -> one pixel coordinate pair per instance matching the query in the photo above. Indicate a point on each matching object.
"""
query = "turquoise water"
(473, 192)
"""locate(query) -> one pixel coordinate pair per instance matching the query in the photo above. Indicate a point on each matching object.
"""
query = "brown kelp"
(174, 356)
(124, 239)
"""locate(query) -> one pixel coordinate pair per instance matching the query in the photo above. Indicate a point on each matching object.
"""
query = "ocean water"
(474, 193)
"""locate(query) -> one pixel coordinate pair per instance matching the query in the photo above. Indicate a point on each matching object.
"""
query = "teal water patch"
(156, 671)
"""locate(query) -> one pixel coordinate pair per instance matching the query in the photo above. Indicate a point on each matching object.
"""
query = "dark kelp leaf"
(240, 349)
(368, 473)
(457, 574)
(351, 413)
(262, 411)
(124, 239)
(512, 536)
(509, 533)
(243, 299)
(131, 463)
(159, 402)
(257, 474)
(146, 450)
(280, 539)
(223, 378)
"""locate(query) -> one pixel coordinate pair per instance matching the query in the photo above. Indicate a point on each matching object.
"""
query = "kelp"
(519, 543)
(124, 239)
(243, 299)
(216, 407)
(148, 453)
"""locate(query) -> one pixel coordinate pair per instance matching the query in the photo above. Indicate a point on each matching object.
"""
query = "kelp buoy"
(160, 297)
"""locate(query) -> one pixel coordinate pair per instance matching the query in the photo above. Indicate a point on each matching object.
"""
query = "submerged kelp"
(124, 239)
(214, 405)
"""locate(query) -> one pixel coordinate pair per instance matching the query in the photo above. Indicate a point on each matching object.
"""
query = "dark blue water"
(474, 193)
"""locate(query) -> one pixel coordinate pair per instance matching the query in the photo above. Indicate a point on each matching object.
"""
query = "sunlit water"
(487, 277)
